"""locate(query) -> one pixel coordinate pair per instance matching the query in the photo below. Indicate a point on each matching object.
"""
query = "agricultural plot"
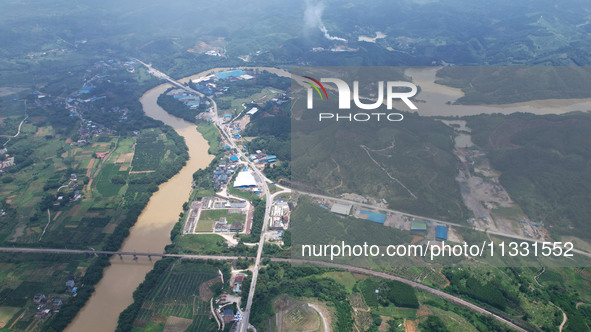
(202, 243)
(363, 319)
(344, 278)
(123, 154)
(176, 298)
(110, 180)
(149, 150)
(87, 231)
(356, 301)
(6, 314)
(368, 289)
(23, 276)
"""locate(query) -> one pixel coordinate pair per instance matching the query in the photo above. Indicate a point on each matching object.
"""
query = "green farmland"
(181, 296)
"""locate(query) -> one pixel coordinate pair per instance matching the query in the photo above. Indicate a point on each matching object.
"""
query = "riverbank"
(151, 233)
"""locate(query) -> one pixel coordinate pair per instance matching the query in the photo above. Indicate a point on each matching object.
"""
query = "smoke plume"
(313, 19)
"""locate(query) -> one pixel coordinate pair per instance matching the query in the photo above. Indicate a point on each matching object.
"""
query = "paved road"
(354, 269)
(244, 324)
(163, 76)
(18, 132)
(417, 285)
(321, 313)
(488, 231)
(102, 252)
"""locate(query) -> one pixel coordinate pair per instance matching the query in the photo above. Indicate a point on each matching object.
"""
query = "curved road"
(414, 284)
(355, 269)
(321, 313)
(244, 323)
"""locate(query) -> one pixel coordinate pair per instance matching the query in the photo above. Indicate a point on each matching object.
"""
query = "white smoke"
(313, 19)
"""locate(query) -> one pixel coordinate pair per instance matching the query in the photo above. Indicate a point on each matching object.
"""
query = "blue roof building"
(230, 73)
(374, 216)
(441, 233)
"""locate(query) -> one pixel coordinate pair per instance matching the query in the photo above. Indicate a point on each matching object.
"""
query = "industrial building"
(245, 179)
(418, 226)
(236, 226)
(441, 233)
(252, 111)
(380, 218)
(341, 209)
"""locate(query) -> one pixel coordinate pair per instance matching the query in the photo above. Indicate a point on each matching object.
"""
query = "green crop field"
(203, 243)
(148, 152)
(177, 295)
(368, 289)
(104, 181)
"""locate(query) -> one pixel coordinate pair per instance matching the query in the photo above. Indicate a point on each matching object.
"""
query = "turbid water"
(151, 233)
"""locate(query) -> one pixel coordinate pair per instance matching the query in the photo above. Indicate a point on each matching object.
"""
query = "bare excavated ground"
(482, 192)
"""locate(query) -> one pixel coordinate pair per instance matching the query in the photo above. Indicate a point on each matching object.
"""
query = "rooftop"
(341, 209)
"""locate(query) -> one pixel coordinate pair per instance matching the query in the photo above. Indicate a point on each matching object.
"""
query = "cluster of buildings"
(238, 280)
(280, 213)
(260, 158)
(224, 172)
(223, 226)
(416, 225)
(81, 101)
(218, 203)
(466, 158)
(210, 85)
(6, 160)
(49, 306)
(191, 219)
(533, 227)
(73, 195)
(46, 306)
(191, 100)
(88, 129)
(421, 226)
(226, 314)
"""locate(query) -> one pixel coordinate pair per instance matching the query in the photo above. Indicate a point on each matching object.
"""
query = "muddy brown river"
(151, 232)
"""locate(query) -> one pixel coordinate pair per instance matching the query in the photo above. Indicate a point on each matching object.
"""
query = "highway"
(176, 83)
(354, 269)
(102, 252)
(244, 324)
(487, 231)
(417, 285)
